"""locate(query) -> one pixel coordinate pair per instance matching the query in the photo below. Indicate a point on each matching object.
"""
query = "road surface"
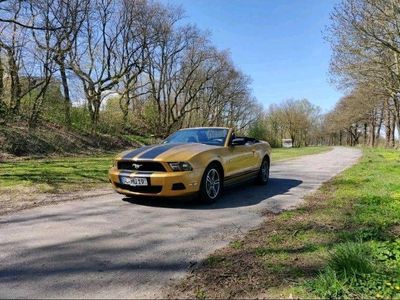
(109, 247)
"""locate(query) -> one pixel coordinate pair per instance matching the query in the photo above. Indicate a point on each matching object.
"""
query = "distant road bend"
(108, 248)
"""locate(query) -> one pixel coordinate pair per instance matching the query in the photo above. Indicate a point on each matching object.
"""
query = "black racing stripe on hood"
(138, 151)
(153, 153)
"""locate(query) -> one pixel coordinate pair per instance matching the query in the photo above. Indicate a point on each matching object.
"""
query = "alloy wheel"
(213, 184)
(265, 171)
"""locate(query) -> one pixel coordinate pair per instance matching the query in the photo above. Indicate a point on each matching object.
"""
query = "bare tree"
(99, 55)
(59, 23)
(364, 37)
(356, 115)
(22, 78)
(297, 118)
(139, 18)
(163, 74)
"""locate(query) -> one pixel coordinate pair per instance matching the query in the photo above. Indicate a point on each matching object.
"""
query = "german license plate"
(134, 181)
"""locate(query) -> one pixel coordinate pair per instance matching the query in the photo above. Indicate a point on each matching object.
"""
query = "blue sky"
(279, 43)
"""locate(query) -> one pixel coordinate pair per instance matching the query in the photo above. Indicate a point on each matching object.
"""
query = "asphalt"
(112, 247)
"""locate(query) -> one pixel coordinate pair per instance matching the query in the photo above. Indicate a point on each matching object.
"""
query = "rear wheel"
(263, 173)
(211, 184)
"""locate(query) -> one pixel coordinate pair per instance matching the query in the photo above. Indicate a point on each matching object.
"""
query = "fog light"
(178, 186)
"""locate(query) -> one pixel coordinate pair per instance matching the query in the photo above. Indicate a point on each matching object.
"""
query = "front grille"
(153, 189)
(141, 166)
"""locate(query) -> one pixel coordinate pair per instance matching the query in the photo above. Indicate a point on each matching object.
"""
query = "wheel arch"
(219, 164)
(266, 156)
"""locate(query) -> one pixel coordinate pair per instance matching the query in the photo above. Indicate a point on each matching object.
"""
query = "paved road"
(106, 247)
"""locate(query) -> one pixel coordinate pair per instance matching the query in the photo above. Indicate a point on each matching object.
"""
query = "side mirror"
(237, 142)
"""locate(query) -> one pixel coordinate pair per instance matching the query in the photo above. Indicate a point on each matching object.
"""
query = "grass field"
(82, 172)
(343, 243)
(288, 153)
(56, 175)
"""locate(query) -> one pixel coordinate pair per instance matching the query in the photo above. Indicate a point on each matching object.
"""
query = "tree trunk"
(124, 105)
(15, 83)
(34, 118)
(67, 99)
(1, 81)
(397, 117)
(93, 99)
(94, 105)
(365, 133)
(388, 123)
(379, 127)
(372, 135)
(3, 105)
(398, 128)
(392, 134)
(351, 138)
(94, 116)
(293, 140)
(39, 100)
(356, 137)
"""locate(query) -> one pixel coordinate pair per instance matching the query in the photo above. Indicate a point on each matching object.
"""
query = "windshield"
(209, 136)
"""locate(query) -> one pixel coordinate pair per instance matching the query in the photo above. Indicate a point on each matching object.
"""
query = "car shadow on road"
(245, 195)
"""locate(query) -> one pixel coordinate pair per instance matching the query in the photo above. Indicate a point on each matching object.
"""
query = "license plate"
(134, 181)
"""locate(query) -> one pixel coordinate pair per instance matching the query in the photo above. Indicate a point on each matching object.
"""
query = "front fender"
(202, 160)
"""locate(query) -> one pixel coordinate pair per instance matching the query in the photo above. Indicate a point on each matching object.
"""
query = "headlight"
(180, 166)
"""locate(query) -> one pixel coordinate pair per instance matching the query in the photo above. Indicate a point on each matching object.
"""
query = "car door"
(252, 156)
(240, 160)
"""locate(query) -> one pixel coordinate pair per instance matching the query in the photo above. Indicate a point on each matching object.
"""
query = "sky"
(278, 43)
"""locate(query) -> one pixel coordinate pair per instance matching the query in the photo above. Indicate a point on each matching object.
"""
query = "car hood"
(166, 152)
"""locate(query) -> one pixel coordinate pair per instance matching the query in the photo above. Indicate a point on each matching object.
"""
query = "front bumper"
(161, 184)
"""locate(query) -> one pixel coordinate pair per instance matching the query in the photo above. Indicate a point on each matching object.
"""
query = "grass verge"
(342, 243)
(55, 174)
(288, 153)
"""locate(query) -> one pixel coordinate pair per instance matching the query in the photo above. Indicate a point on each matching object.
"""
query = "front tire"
(211, 184)
(263, 173)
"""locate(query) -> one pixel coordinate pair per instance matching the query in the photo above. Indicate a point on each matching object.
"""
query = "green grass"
(353, 225)
(366, 260)
(350, 259)
(56, 174)
(288, 153)
(142, 140)
(344, 242)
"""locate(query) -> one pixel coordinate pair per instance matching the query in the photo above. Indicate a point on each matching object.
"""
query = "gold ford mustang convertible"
(191, 161)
